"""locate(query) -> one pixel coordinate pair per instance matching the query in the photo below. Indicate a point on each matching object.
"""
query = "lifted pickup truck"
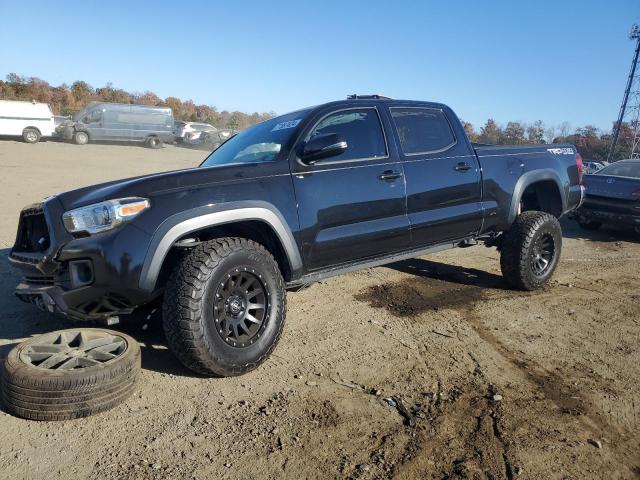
(311, 194)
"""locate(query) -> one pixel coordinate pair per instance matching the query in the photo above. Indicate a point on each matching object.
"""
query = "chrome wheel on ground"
(67, 350)
(70, 374)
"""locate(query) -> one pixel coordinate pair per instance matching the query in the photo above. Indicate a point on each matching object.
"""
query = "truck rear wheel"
(154, 142)
(224, 307)
(31, 135)
(81, 138)
(530, 250)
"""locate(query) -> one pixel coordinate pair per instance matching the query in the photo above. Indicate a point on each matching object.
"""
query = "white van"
(30, 120)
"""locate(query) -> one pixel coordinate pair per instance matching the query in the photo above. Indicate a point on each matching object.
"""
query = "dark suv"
(314, 193)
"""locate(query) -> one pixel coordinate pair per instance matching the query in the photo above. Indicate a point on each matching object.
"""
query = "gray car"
(120, 122)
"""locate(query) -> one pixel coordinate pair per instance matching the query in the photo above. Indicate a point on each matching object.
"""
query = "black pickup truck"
(311, 194)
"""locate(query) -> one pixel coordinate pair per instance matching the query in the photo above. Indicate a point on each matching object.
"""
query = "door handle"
(390, 175)
(462, 167)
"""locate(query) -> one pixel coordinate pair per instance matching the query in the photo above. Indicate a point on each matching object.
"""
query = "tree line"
(592, 143)
(69, 99)
(64, 99)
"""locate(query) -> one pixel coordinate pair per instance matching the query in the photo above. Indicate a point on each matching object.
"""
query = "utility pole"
(630, 108)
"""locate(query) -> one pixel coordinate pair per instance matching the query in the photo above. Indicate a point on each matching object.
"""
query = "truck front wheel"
(530, 250)
(81, 138)
(224, 307)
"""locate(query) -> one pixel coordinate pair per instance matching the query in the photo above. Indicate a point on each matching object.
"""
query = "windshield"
(259, 143)
(622, 169)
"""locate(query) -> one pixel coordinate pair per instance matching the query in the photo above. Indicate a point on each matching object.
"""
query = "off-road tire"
(37, 393)
(589, 225)
(518, 245)
(154, 142)
(188, 307)
(31, 135)
(81, 138)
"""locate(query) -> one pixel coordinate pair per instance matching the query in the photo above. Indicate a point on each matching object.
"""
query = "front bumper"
(91, 278)
(64, 132)
(612, 218)
(46, 298)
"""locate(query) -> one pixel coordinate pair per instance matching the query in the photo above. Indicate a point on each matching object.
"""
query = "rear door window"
(362, 130)
(422, 130)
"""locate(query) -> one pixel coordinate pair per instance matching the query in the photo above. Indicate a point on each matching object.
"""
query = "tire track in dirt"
(436, 287)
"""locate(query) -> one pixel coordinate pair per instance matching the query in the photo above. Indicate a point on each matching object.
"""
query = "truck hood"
(148, 185)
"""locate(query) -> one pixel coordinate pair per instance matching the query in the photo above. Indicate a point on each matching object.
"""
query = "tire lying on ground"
(69, 374)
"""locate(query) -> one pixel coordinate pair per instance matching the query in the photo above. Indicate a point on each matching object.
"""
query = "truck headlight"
(103, 216)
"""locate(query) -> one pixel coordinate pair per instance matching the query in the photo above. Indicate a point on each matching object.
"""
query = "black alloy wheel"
(530, 250)
(542, 254)
(240, 307)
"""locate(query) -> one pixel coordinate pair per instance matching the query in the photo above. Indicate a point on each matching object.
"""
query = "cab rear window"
(422, 130)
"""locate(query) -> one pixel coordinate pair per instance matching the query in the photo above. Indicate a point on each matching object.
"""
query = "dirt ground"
(425, 369)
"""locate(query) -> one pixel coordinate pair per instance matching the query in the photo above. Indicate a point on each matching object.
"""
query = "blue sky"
(548, 60)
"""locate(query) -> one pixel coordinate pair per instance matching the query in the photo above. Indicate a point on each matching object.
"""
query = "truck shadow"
(156, 356)
(449, 273)
(606, 233)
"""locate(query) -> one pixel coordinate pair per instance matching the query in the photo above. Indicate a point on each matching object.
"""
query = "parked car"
(612, 197)
(589, 166)
(29, 120)
(212, 139)
(283, 204)
(190, 131)
(120, 122)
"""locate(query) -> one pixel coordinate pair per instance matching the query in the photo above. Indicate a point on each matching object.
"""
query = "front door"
(352, 206)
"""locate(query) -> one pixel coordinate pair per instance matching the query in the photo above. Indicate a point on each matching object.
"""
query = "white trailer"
(29, 120)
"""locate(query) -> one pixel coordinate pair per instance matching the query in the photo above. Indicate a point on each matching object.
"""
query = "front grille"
(33, 234)
(34, 259)
(39, 280)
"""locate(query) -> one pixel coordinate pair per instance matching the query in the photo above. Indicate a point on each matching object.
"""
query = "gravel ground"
(427, 368)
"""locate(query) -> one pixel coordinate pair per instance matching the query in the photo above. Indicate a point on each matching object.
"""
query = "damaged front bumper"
(90, 278)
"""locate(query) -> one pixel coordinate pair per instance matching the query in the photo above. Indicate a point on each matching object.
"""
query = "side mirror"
(323, 146)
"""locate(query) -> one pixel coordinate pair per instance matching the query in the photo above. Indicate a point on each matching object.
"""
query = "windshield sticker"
(285, 125)
(560, 151)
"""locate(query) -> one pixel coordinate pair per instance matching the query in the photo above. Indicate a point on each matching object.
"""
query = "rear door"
(442, 173)
(351, 207)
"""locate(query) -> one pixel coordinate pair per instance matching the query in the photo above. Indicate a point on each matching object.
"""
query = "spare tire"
(70, 374)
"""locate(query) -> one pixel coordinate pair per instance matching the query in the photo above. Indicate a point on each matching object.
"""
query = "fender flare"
(529, 178)
(198, 218)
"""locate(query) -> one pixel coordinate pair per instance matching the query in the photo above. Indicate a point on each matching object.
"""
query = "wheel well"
(543, 196)
(32, 128)
(255, 230)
